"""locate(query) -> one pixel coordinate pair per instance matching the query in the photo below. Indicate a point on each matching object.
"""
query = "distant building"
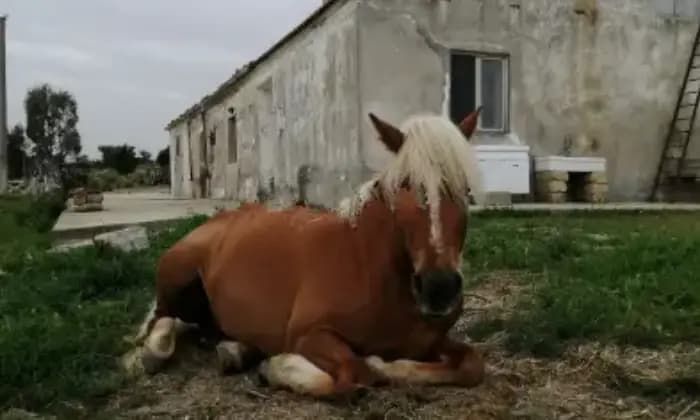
(563, 77)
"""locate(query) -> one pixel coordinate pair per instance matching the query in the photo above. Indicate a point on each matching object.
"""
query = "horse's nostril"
(457, 279)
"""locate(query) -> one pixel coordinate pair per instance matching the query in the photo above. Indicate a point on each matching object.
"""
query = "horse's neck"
(380, 243)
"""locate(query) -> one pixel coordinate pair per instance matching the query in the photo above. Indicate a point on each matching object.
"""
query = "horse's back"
(254, 273)
(188, 257)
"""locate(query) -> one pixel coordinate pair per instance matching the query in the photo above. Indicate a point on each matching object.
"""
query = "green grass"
(63, 319)
(629, 279)
(618, 278)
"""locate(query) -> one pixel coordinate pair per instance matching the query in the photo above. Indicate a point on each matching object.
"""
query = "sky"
(133, 65)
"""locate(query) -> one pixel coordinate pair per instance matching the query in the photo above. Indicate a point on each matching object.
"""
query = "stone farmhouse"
(581, 100)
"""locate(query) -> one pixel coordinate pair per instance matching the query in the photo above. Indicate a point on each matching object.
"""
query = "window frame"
(232, 136)
(479, 57)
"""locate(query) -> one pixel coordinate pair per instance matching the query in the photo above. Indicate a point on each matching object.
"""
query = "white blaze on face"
(435, 224)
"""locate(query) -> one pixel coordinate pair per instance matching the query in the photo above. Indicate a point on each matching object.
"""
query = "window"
(480, 80)
(212, 145)
(232, 140)
(178, 140)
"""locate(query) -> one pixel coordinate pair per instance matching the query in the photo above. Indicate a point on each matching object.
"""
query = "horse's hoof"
(229, 358)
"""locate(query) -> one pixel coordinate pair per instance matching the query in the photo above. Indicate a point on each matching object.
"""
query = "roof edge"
(241, 73)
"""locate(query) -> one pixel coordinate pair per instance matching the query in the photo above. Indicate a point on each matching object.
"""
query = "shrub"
(40, 212)
(103, 179)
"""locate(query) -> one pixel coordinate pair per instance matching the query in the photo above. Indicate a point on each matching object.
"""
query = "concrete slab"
(611, 207)
(127, 208)
(153, 207)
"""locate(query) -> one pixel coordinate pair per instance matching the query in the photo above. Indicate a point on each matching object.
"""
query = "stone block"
(546, 176)
(552, 197)
(69, 246)
(595, 189)
(87, 207)
(95, 198)
(552, 186)
(596, 193)
(130, 239)
(84, 200)
(597, 178)
(79, 200)
(596, 198)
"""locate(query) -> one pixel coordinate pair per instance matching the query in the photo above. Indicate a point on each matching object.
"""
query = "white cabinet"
(505, 168)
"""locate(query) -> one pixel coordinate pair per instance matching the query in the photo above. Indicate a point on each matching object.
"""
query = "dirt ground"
(590, 382)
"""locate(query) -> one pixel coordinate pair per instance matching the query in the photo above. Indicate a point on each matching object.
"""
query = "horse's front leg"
(458, 364)
(322, 365)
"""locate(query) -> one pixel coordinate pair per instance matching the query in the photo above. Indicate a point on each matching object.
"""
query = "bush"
(145, 175)
(40, 212)
(103, 179)
(109, 179)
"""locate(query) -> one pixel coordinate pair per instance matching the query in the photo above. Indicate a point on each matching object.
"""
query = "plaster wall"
(588, 87)
(297, 114)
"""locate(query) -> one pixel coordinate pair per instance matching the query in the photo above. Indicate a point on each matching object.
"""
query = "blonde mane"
(435, 158)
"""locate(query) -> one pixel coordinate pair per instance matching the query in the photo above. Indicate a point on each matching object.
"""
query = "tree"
(52, 120)
(120, 158)
(16, 158)
(145, 156)
(163, 158)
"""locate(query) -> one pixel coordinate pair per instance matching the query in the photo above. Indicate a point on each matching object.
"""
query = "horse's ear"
(391, 136)
(468, 125)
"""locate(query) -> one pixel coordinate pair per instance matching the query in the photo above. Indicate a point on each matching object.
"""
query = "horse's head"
(428, 186)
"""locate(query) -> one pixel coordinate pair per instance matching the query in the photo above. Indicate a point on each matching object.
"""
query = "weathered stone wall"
(297, 110)
(180, 183)
(608, 79)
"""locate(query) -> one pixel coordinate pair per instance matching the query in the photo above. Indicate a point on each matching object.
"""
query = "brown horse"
(336, 300)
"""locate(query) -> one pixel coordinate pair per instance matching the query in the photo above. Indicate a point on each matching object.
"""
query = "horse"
(328, 302)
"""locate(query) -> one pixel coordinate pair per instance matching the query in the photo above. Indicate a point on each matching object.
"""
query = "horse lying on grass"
(336, 301)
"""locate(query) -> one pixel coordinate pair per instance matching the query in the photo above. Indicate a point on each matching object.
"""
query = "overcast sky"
(134, 65)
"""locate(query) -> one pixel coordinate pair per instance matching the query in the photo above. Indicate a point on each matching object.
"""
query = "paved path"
(150, 206)
(564, 207)
(129, 208)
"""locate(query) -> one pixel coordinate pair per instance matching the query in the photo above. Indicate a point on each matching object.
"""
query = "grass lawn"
(629, 279)
(63, 316)
(622, 278)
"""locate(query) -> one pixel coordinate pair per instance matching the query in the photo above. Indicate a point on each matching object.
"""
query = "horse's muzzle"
(437, 292)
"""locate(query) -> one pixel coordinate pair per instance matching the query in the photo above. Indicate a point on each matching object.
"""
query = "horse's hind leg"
(159, 346)
(181, 301)
(235, 357)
